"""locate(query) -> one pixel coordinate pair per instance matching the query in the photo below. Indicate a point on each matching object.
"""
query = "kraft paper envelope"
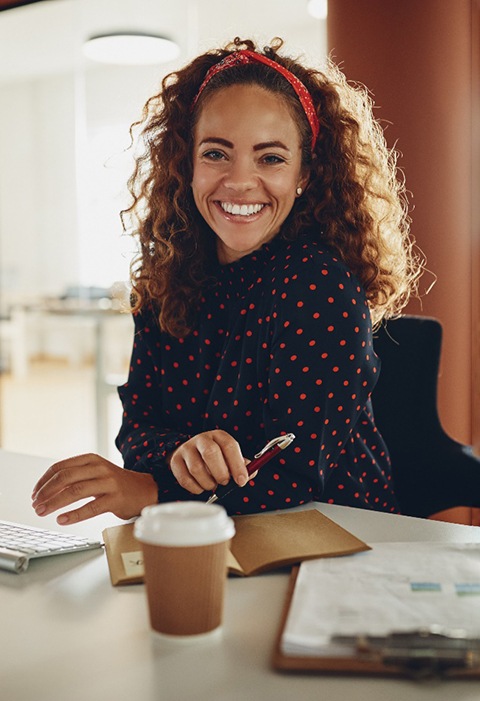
(262, 542)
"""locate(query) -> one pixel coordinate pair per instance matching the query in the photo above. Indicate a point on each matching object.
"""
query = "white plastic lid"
(183, 524)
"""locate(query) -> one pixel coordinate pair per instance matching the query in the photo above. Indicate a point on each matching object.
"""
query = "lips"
(242, 210)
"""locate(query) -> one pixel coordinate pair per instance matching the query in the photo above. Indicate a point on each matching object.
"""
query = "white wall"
(37, 186)
(109, 100)
(63, 179)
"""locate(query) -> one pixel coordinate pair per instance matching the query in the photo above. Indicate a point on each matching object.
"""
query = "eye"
(272, 159)
(213, 155)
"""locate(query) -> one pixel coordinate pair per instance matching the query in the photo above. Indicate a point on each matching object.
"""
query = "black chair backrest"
(431, 470)
(405, 398)
(405, 408)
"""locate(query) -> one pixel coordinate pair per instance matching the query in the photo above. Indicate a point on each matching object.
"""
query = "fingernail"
(62, 519)
(242, 481)
(40, 509)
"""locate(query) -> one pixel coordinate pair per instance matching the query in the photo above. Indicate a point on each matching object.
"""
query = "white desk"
(67, 635)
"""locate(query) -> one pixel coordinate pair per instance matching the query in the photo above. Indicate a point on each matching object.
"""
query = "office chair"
(432, 472)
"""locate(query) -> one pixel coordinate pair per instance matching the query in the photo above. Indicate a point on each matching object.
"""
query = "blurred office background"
(64, 258)
(64, 130)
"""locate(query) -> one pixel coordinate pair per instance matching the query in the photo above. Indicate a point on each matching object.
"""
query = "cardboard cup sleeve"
(185, 587)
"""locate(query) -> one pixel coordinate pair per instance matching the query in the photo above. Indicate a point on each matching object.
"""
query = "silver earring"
(299, 191)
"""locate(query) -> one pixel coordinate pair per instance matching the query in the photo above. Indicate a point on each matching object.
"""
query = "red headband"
(244, 56)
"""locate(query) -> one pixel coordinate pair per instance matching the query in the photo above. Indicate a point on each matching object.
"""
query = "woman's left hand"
(109, 487)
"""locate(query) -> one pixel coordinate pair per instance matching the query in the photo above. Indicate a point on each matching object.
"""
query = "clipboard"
(460, 661)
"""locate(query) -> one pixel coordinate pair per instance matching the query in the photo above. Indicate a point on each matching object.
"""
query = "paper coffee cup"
(185, 547)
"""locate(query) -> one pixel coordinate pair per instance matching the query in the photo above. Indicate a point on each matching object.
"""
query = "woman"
(273, 234)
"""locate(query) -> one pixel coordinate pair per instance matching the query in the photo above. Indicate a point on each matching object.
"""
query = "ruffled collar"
(237, 278)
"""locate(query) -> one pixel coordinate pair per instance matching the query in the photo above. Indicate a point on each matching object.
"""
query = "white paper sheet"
(395, 587)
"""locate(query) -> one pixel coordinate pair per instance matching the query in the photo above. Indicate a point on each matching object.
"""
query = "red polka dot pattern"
(283, 344)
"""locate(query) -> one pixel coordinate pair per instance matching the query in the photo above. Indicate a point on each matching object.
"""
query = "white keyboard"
(19, 543)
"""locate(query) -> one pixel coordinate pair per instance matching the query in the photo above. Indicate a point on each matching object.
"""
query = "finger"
(72, 493)
(183, 476)
(77, 461)
(95, 507)
(212, 468)
(199, 457)
(45, 478)
(233, 458)
(66, 472)
(63, 477)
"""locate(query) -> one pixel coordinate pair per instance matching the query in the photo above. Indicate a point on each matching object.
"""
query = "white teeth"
(244, 210)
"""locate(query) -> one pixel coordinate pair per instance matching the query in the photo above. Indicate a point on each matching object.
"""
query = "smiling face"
(246, 167)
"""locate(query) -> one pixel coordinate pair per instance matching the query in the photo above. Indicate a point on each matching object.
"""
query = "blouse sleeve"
(144, 439)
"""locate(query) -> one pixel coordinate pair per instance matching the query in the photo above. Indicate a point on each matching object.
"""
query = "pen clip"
(281, 441)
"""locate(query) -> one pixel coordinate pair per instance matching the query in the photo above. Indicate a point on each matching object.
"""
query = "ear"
(303, 182)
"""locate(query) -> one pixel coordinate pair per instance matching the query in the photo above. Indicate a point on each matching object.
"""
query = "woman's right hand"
(107, 486)
(208, 459)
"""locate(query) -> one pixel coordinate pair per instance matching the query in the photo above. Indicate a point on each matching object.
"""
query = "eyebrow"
(258, 147)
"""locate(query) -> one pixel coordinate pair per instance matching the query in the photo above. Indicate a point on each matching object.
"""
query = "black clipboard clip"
(424, 653)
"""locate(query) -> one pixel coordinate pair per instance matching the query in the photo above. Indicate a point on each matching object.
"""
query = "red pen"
(272, 448)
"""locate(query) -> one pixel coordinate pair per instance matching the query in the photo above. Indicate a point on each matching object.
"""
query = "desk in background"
(78, 329)
(67, 634)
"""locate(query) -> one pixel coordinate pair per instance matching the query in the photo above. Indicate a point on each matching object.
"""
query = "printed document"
(395, 587)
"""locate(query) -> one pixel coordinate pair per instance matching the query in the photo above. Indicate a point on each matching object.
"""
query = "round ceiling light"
(130, 48)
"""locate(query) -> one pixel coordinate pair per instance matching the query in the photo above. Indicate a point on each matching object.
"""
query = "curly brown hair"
(355, 196)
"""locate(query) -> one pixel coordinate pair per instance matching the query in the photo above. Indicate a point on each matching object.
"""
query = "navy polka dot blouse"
(283, 344)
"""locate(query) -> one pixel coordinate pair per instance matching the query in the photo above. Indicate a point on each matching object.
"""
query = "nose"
(241, 175)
